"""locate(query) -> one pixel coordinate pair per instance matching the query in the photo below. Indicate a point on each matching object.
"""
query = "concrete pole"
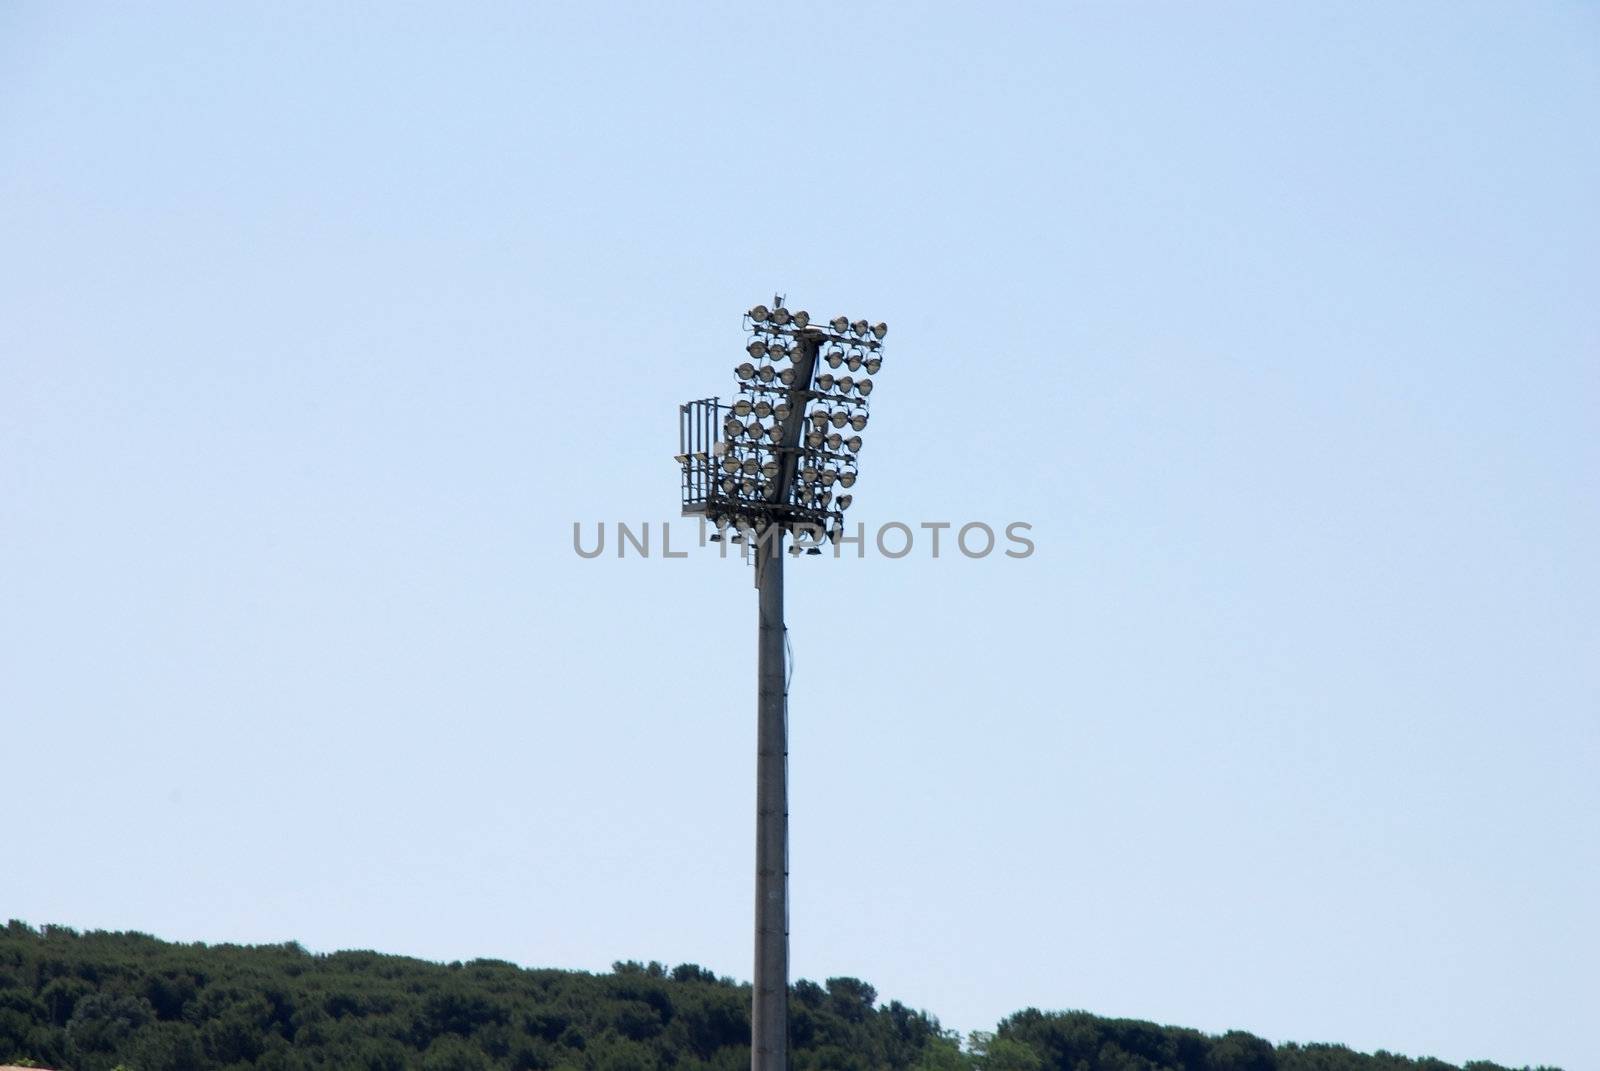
(769, 1005)
(769, 1013)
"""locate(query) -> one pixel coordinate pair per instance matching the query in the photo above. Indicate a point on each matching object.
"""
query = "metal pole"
(769, 1015)
(769, 1006)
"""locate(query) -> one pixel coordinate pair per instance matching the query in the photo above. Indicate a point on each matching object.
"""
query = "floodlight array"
(742, 480)
(835, 411)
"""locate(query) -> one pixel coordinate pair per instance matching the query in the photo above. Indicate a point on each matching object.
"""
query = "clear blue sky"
(319, 328)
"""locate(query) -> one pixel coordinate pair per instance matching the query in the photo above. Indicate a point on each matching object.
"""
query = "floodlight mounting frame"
(783, 499)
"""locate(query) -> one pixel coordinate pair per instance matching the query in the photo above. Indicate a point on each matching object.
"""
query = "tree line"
(100, 1001)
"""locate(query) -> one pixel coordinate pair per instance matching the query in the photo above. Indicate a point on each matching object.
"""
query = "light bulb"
(847, 479)
(865, 387)
(763, 409)
(756, 348)
(780, 316)
(834, 441)
(859, 421)
(859, 328)
(839, 419)
(745, 371)
(742, 407)
(845, 500)
(872, 364)
(834, 358)
(759, 313)
(853, 444)
(803, 317)
(844, 383)
(825, 382)
(854, 363)
(839, 323)
(879, 330)
(770, 470)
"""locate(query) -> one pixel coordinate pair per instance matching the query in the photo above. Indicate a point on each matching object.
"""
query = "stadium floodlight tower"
(780, 459)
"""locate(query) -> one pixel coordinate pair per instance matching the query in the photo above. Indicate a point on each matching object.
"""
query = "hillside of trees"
(104, 1001)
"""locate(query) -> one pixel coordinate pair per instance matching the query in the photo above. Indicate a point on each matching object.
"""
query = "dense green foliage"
(103, 1001)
